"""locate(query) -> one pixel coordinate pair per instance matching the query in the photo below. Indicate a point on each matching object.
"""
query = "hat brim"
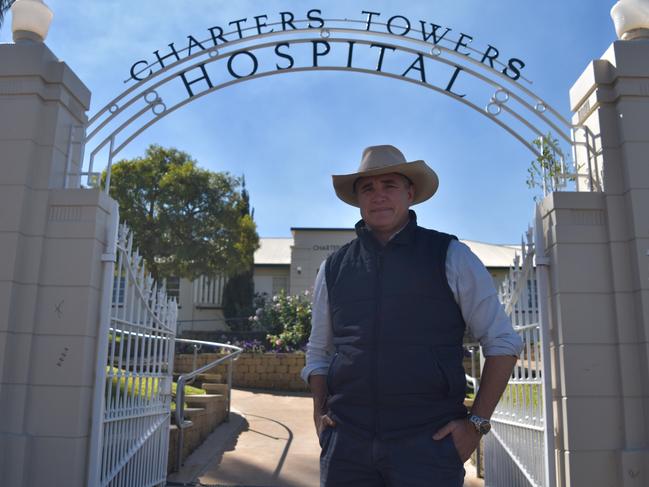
(424, 179)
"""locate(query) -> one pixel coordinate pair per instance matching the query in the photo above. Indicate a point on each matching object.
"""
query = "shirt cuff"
(509, 345)
(314, 369)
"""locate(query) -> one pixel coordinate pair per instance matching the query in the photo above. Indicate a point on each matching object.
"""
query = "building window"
(118, 291)
(208, 291)
(280, 284)
(532, 294)
(172, 285)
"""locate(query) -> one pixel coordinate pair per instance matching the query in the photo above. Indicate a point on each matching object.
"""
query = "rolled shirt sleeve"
(475, 293)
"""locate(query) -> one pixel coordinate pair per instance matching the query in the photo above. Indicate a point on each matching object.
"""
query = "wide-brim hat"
(386, 159)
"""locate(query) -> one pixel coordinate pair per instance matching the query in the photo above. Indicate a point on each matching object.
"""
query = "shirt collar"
(402, 236)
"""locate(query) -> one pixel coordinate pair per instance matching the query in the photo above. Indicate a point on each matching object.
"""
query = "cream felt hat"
(385, 159)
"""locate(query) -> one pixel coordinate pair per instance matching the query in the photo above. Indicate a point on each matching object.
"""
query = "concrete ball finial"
(631, 19)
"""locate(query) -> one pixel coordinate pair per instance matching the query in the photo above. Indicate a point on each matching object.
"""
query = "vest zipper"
(375, 343)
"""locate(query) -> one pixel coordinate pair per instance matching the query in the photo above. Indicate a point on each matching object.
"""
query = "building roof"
(277, 251)
(493, 255)
(274, 251)
(320, 229)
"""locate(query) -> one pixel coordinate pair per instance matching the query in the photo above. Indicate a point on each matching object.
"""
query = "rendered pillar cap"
(631, 19)
(31, 20)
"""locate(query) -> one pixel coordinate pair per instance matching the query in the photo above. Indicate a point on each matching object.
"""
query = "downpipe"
(108, 260)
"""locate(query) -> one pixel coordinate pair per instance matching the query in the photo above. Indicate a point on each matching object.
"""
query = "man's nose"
(379, 195)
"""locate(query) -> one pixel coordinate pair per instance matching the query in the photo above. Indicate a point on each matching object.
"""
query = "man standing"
(384, 359)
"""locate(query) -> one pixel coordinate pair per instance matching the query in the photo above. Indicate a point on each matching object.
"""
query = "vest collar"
(402, 237)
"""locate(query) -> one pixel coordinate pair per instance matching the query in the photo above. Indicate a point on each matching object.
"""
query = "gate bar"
(542, 264)
(97, 425)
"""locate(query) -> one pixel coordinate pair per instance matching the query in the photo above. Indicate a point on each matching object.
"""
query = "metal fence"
(130, 431)
(520, 450)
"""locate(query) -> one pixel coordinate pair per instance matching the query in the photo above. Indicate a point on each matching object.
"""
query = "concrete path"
(269, 442)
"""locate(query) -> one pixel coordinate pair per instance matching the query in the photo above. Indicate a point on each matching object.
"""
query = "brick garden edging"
(275, 371)
(205, 419)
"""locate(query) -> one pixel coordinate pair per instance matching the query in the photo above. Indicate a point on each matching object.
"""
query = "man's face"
(384, 201)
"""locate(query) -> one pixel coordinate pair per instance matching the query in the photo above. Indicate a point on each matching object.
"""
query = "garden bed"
(274, 371)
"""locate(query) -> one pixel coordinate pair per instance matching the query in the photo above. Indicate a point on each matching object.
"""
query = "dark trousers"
(349, 460)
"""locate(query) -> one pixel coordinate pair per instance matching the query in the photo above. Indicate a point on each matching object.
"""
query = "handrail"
(182, 380)
(473, 377)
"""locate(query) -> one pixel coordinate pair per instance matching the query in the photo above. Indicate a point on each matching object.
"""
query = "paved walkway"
(269, 442)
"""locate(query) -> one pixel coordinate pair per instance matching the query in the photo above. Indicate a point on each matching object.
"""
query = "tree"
(186, 221)
(239, 291)
(5, 5)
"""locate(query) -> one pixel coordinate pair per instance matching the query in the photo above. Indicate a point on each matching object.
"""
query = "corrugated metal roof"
(274, 251)
(277, 251)
(493, 255)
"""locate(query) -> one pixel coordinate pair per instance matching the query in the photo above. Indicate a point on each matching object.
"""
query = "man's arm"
(318, 384)
(474, 292)
(495, 375)
(318, 353)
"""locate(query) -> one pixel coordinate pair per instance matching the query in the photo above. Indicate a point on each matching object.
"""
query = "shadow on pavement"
(289, 440)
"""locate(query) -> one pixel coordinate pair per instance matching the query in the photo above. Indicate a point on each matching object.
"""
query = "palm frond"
(4, 7)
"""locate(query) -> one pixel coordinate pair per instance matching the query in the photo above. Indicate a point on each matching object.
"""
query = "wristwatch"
(482, 425)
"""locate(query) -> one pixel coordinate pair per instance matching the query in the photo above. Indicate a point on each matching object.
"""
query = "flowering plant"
(286, 319)
(248, 345)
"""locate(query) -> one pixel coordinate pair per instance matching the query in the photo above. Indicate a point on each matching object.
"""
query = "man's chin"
(384, 218)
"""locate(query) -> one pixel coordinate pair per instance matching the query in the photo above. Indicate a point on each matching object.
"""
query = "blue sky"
(289, 133)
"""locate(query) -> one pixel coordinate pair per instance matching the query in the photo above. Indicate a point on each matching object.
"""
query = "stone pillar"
(51, 243)
(599, 249)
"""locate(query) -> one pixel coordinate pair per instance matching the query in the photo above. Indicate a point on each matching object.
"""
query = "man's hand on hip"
(465, 437)
(322, 421)
(318, 385)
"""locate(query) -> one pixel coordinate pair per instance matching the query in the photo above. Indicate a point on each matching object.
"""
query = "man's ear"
(411, 193)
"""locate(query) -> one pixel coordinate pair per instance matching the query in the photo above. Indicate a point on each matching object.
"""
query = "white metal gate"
(520, 450)
(132, 406)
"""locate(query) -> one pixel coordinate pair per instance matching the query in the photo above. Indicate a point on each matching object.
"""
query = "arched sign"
(421, 52)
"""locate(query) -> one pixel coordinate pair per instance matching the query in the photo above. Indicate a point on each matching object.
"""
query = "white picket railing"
(519, 452)
(132, 405)
(208, 291)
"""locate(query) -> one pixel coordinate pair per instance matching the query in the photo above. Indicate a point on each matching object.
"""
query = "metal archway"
(498, 96)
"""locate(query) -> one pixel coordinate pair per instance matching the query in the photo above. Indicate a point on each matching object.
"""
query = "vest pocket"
(450, 363)
(412, 375)
(340, 373)
(331, 372)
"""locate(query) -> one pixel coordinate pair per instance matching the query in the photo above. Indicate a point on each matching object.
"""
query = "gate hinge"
(108, 258)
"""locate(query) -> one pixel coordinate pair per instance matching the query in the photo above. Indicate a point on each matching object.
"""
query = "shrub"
(137, 387)
(286, 320)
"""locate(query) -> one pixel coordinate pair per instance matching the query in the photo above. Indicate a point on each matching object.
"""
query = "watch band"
(482, 425)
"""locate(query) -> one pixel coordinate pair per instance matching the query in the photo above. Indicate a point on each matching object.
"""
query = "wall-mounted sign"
(326, 247)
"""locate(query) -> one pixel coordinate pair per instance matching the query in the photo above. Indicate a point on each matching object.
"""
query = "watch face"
(483, 426)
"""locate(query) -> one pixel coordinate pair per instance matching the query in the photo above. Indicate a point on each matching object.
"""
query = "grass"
(516, 394)
(134, 387)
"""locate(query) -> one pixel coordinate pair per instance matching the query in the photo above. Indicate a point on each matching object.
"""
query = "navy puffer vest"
(397, 332)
